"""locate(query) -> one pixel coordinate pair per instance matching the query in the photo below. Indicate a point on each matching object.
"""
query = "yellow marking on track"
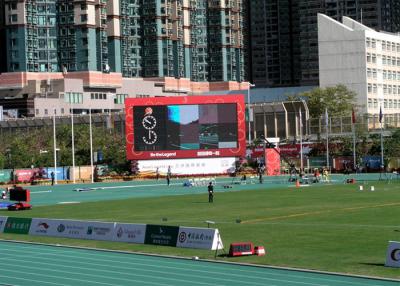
(318, 212)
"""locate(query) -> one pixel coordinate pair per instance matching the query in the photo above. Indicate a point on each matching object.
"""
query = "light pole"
(72, 139)
(55, 146)
(91, 143)
(248, 109)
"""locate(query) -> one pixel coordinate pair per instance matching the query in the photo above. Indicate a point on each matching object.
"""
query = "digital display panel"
(185, 127)
(19, 195)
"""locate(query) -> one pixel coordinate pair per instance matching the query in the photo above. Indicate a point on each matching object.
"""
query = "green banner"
(5, 176)
(161, 235)
(18, 225)
(317, 161)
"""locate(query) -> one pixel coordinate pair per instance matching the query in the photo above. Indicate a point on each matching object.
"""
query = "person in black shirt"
(210, 192)
(52, 178)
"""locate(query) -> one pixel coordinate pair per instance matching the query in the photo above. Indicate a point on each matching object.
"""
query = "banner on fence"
(72, 229)
(17, 225)
(127, 232)
(161, 235)
(185, 237)
(202, 238)
(393, 254)
(3, 220)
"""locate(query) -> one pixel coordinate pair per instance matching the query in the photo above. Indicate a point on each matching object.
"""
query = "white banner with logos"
(393, 254)
(195, 166)
(72, 229)
(3, 220)
(127, 232)
(202, 238)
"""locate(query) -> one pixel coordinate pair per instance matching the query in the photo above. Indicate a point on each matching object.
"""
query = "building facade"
(117, 48)
(285, 37)
(196, 39)
(366, 61)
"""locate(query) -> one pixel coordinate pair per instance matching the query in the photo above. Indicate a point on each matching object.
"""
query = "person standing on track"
(52, 178)
(210, 192)
(169, 174)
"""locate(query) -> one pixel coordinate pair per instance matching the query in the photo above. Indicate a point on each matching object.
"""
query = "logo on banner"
(395, 255)
(61, 228)
(43, 225)
(120, 232)
(182, 236)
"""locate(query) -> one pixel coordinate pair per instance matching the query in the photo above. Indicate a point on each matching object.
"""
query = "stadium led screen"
(185, 127)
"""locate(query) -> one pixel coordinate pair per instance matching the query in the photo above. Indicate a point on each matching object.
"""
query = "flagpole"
(354, 146)
(301, 140)
(381, 121)
(327, 138)
(91, 144)
(353, 126)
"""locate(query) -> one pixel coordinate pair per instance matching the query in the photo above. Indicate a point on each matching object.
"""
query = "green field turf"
(334, 228)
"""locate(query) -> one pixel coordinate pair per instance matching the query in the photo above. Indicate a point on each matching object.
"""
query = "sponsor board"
(393, 254)
(203, 238)
(161, 235)
(72, 229)
(17, 225)
(126, 232)
(3, 220)
(189, 166)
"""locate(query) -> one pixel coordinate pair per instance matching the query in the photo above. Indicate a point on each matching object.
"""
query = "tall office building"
(285, 38)
(196, 39)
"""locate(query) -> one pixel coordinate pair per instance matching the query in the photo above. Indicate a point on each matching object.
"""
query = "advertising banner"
(372, 162)
(5, 176)
(191, 237)
(127, 232)
(17, 225)
(189, 166)
(161, 235)
(273, 162)
(393, 254)
(3, 220)
(72, 229)
(25, 175)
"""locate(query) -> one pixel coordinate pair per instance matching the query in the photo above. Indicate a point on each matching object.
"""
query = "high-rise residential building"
(196, 39)
(117, 47)
(285, 38)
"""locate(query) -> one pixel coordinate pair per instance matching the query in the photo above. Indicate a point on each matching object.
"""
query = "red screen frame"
(131, 154)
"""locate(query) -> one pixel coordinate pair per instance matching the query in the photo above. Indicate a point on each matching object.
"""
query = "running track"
(36, 264)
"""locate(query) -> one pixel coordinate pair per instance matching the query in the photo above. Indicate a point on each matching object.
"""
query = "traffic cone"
(297, 184)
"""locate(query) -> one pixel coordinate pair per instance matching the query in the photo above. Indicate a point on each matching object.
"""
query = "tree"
(339, 101)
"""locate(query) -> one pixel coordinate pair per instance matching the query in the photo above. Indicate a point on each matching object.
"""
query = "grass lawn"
(333, 228)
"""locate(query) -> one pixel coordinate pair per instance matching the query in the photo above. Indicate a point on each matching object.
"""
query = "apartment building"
(116, 47)
(284, 35)
(366, 61)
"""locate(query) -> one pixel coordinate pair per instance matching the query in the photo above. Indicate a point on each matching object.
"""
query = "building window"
(46, 111)
(84, 18)
(369, 103)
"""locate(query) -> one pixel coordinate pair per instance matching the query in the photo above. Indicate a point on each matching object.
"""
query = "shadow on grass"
(374, 264)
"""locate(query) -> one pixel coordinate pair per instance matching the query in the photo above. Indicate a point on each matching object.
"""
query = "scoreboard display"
(185, 127)
(241, 248)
